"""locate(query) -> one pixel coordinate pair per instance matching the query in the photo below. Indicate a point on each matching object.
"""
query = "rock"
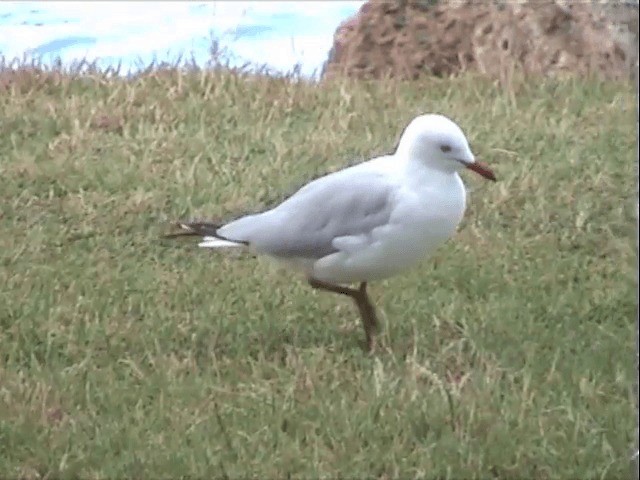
(407, 39)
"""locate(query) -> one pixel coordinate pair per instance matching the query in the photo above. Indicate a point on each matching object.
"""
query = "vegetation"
(509, 354)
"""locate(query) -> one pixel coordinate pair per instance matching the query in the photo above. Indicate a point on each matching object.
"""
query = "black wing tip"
(192, 229)
(181, 230)
(199, 228)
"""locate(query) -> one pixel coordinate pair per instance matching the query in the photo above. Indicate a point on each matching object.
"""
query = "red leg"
(363, 302)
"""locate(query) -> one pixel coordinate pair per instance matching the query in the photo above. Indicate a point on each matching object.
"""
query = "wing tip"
(183, 229)
(206, 230)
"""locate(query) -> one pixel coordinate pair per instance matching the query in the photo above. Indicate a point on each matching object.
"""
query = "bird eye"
(445, 148)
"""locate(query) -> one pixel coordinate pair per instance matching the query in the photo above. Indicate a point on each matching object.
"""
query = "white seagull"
(366, 222)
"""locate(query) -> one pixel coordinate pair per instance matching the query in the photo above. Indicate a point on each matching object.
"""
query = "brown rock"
(408, 39)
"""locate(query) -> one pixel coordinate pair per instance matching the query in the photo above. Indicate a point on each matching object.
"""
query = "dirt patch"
(408, 39)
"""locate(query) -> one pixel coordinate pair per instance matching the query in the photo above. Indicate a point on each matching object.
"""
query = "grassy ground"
(508, 355)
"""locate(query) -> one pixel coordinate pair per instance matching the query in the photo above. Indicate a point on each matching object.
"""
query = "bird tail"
(209, 233)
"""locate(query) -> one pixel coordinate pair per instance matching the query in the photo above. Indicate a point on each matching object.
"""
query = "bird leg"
(363, 302)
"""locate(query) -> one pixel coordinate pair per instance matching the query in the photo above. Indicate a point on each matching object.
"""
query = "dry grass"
(509, 354)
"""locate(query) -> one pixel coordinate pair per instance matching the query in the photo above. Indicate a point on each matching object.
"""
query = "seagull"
(366, 222)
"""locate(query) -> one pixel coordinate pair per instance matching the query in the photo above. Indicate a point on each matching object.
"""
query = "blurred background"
(282, 35)
(314, 39)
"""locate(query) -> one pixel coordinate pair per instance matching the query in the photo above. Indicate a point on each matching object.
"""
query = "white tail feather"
(213, 242)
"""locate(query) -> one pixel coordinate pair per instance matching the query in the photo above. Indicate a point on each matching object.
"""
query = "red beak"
(482, 169)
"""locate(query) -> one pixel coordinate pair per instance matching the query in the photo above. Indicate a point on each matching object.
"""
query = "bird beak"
(481, 169)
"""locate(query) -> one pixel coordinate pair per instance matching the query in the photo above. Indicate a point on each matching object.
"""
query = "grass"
(509, 354)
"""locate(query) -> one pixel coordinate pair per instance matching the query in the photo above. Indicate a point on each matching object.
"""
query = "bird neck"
(408, 148)
(420, 174)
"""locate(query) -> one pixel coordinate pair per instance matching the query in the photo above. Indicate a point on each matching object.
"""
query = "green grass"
(509, 354)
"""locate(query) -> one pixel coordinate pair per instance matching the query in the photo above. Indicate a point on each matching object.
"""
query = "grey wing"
(306, 224)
